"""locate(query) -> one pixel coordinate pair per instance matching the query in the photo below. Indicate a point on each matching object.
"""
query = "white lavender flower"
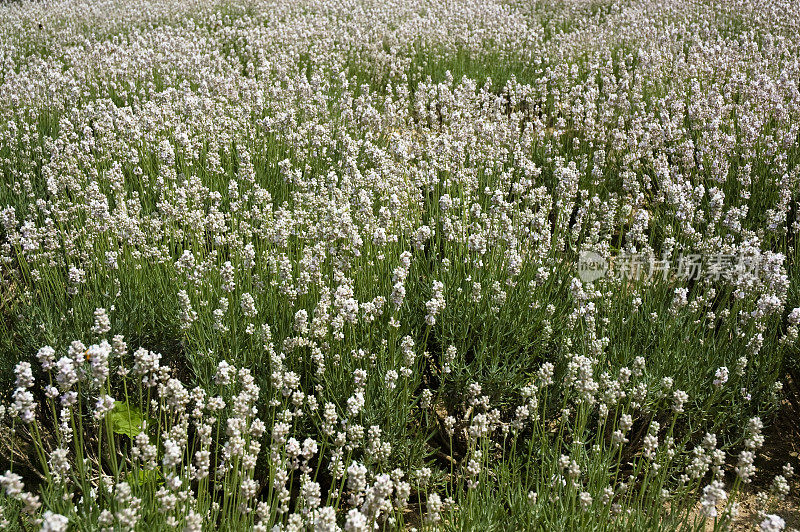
(52, 522)
(713, 494)
(102, 323)
(721, 376)
(772, 523)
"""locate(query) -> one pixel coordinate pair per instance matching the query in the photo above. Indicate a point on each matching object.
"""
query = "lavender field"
(351, 265)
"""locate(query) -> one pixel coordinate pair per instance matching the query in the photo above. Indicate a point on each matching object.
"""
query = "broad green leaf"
(125, 419)
(145, 477)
